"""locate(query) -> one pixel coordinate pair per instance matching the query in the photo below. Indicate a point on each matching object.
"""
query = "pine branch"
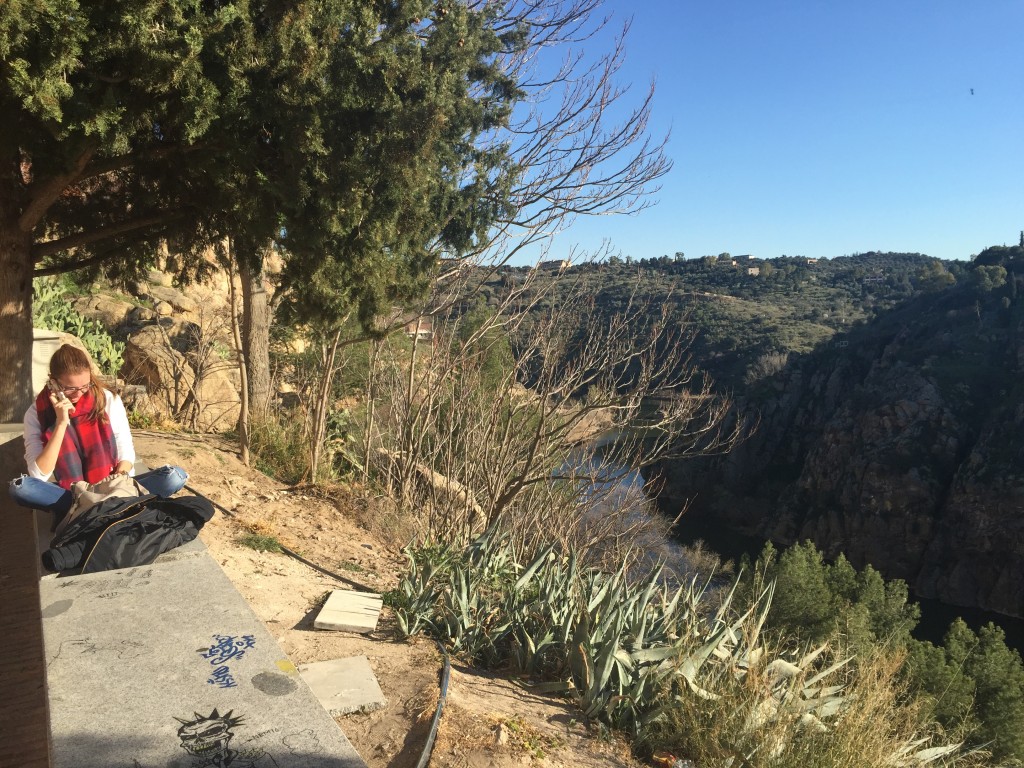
(50, 247)
(119, 162)
(48, 193)
(58, 269)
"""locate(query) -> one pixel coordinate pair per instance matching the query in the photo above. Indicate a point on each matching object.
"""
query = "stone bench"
(163, 666)
(167, 666)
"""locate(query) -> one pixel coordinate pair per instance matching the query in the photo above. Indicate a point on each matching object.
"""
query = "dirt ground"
(487, 720)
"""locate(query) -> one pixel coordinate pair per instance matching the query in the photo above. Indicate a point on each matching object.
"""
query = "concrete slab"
(344, 686)
(350, 611)
(166, 666)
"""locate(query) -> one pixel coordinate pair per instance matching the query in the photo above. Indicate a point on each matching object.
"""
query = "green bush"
(974, 678)
(814, 599)
(279, 448)
(973, 683)
(51, 310)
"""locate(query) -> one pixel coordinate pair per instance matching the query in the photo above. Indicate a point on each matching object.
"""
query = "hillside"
(743, 321)
(898, 444)
(348, 528)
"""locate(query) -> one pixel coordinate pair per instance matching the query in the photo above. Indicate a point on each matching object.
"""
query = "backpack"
(126, 532)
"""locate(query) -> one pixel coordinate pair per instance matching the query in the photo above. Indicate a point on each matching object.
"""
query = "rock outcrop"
(206, 402)
(176, 361)
(903, 448)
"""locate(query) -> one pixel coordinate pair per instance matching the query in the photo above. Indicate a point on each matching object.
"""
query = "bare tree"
(579, 147)
(187, 358)
(463, 444)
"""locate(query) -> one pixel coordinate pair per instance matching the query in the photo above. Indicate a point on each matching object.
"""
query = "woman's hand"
(63, 408)
(121, 468)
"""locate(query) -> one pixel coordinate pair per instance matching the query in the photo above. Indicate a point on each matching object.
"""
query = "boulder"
(174, 297)
(211, 404)
(109, 310)
(156, 277)
(141, 316)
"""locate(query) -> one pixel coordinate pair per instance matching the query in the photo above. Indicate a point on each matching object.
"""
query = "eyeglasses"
(72, 390)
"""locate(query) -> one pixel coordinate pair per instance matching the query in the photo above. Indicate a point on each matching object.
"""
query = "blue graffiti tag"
(222, 678)
(228, 647)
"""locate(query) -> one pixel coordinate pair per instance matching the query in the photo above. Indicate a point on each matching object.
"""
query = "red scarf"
(88, 451)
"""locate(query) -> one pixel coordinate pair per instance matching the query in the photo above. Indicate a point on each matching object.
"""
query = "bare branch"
(538, 457)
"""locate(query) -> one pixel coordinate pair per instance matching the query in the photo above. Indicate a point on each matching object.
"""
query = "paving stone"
(350, 611)
(166, 666)
(344, 686)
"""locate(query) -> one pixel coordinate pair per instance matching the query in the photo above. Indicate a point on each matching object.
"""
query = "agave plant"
(630, 651)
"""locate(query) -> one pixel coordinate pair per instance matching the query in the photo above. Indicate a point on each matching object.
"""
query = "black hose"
(446, 671)
(446, 674)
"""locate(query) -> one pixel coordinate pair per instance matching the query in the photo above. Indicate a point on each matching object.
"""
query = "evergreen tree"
(362, 140)
(349, 127)
(999, 685)
(803, 601)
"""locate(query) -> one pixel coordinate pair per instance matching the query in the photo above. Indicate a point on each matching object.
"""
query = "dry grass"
(876, 723)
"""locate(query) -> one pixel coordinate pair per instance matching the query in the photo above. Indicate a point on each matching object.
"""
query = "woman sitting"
(78, 430)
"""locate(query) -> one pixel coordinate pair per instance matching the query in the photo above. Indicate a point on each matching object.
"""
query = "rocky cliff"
(900, 444)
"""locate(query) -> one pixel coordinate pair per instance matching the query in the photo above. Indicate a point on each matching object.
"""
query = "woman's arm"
(45, 456)
(122, 434)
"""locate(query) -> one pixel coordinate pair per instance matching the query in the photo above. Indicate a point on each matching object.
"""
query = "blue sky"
(824, 129)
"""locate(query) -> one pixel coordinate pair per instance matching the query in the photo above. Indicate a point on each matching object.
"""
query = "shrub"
(51, 310)
(665, 663)
(815, 599)
(278, 447)
(974, 680)
(972, 684)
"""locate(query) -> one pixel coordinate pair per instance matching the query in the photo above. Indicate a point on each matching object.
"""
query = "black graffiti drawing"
(262, 734)
(134, 579)
(303, 743)
(126, 649)
(208, 738)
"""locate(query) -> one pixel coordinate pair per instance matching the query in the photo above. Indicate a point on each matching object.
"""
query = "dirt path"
(488, 721)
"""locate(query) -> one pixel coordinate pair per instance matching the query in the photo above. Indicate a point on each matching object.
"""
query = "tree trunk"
(322, 406)
(255, 330)
(236, 337)
(371, 399)
(15, 322)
